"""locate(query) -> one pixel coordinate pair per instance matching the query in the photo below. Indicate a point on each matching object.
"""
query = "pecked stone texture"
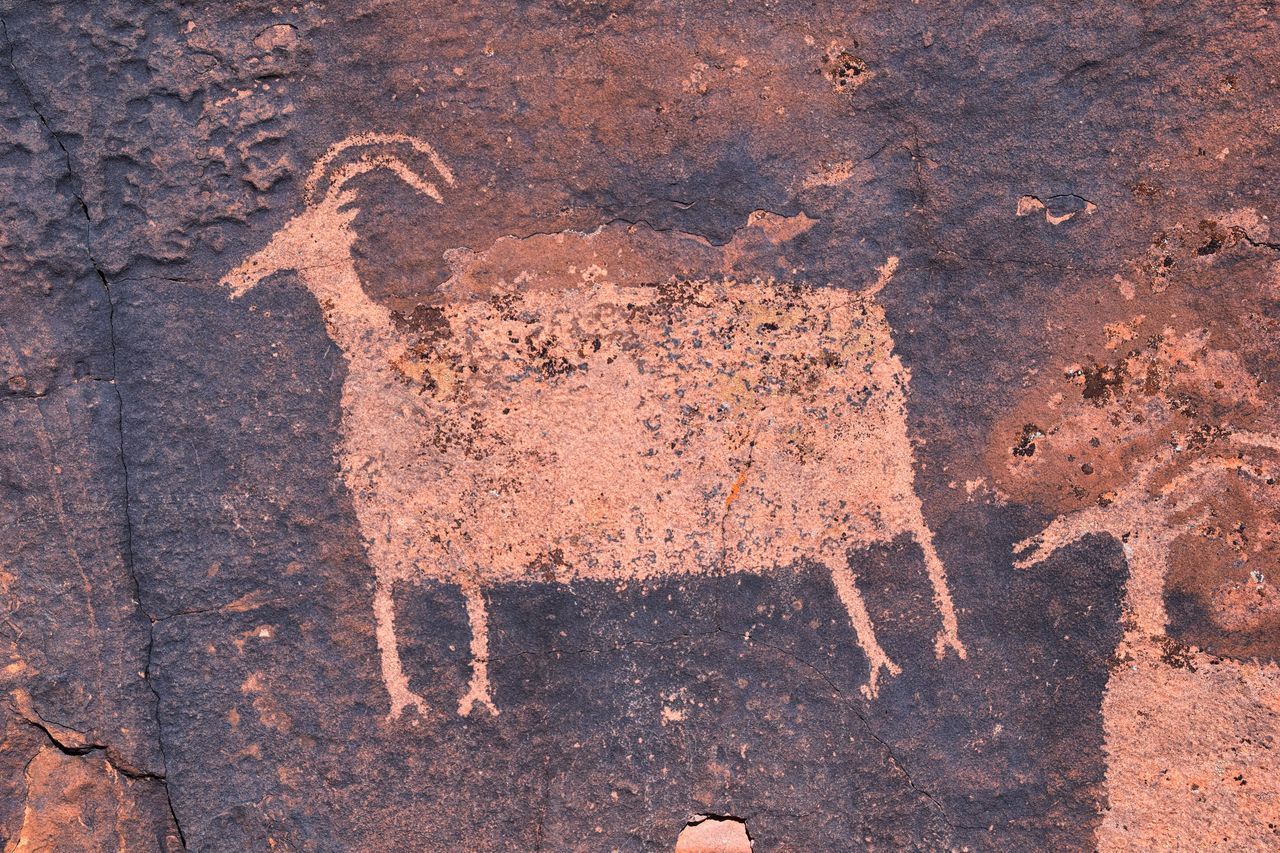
(1081, 200)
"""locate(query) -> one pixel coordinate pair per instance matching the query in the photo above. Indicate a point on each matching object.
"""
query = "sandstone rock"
(1074, 356)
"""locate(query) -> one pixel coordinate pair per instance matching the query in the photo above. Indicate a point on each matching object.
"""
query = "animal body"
(604, 431)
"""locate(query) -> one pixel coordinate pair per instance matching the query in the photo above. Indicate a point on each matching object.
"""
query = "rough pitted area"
(466, 426)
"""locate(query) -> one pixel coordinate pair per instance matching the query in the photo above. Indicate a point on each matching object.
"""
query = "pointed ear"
(884, 274)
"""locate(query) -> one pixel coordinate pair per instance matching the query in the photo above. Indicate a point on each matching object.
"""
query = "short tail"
(883, 275)
(376, 151)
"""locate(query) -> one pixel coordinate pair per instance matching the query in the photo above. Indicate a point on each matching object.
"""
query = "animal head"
(322, 235)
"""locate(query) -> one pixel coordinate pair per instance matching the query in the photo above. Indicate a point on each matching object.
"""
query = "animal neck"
(362, 328)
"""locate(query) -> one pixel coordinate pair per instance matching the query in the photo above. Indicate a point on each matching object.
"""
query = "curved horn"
(336, 177)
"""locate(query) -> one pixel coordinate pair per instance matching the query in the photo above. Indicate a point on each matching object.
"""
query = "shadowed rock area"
(593, 425)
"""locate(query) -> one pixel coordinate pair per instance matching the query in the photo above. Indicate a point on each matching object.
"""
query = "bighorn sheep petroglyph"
(604, 431)
(1163, 501)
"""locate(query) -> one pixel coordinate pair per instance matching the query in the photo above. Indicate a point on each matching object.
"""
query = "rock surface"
(1078, 339)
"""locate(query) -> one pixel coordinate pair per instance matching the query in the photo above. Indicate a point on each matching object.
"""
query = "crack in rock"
(128, 554)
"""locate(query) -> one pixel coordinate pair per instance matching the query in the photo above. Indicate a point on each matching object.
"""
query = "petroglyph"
(588, 426)
(1158, 450)
(714, 834)
(1170, 451)
(1147, 516)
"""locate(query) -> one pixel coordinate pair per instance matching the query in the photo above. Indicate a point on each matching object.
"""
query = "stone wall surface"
(622, 424)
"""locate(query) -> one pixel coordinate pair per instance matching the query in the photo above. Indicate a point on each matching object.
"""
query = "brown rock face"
(83, 803)
(455, 426)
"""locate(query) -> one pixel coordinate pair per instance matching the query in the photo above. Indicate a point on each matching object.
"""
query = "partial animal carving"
(1155, 424)
(1146, 516)
(604, 431)
(1171, 422)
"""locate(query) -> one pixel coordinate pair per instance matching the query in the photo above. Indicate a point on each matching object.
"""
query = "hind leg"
(478, 690)
(393, 676)
(948, 637)
(847, 589)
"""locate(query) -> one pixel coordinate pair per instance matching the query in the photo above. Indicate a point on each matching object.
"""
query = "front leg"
(1062, 531)
(393, 677)
(948, 636)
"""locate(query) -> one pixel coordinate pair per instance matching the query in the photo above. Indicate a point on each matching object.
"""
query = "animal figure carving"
(1177, 428)
(1147, 516)
(604, 431)
(1155, 424)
